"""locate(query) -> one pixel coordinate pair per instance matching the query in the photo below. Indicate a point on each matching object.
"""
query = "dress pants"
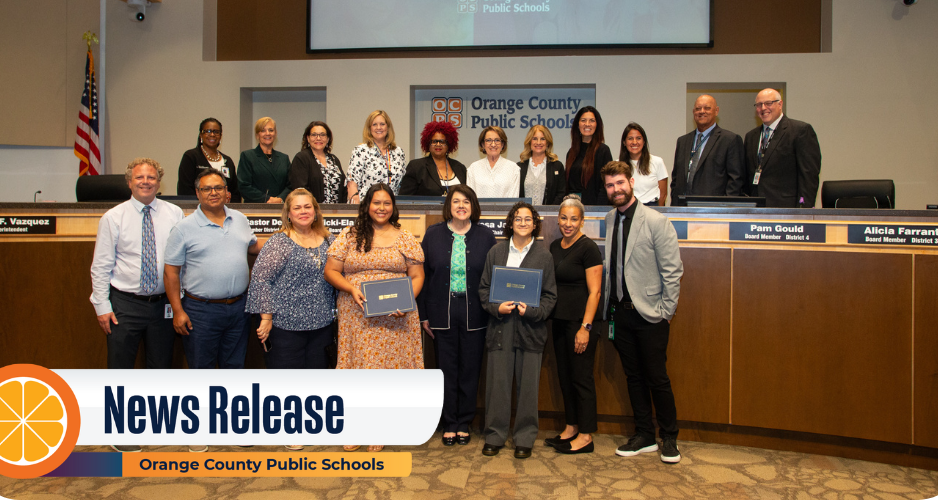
(526, 368)
(137, 319)
(293, 349)
(643, 350)
(219, 334)
(575, 373)
(459, 356)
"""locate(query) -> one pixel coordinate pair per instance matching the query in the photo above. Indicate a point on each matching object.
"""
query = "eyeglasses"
(209, 189)
(319, 136)
(765, 104)
(526, 220)
(440, 142)
(493, 141)
(212, 132)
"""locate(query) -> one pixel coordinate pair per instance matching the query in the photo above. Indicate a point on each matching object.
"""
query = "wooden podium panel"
(925, 351)
(822, 342)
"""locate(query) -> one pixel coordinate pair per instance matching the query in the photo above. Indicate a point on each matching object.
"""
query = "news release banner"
(256, 407)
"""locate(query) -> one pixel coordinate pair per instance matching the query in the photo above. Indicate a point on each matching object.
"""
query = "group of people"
(305, 287)
(779, 160)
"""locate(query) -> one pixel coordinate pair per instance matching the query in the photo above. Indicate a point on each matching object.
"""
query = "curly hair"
(305, 142)
(510, 220)
(445, 128)
(129, 172)
(364, 229)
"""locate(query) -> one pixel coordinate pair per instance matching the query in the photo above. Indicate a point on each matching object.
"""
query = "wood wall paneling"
(822, 342)
(925, 378)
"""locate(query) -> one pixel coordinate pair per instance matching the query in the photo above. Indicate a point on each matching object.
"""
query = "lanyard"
(387, 161)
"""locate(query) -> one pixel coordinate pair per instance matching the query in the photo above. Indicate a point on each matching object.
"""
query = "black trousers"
(643, 350)
(137, 320)
(459, 355)
(575, 372)
(298, 349)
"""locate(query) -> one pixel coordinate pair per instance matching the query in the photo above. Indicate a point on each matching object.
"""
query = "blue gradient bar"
(90, 464)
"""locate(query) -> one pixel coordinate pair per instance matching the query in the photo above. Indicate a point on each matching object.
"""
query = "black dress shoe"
(522, 452)
(557, 440)
(449, 441)
(567, 450)
(490, 450)
(463, 440)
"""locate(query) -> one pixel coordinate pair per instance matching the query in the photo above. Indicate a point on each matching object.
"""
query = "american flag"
(86, 142)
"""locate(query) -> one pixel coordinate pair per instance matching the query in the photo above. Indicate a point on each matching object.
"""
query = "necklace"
(270, 157)
(208, 157)
(315, 254)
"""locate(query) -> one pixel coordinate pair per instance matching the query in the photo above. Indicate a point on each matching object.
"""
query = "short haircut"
(287, 226)
(573, 200)
(526, 153)
(445, 128)
(202, 127)
(501, 135)
(366, 132)
(309, 128)
(614, 168)
(510, 220)
(262, 122)
(469, 193)
(207, 172)
(129, 173)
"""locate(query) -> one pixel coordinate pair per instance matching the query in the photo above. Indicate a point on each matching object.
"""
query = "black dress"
(593, 193)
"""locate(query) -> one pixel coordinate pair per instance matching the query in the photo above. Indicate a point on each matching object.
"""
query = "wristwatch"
(588, 326)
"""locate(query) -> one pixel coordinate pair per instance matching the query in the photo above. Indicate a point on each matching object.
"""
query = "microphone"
(37, 193)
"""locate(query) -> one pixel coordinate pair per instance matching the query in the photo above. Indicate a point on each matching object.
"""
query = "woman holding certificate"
(376, 248)
(578, 266)
(517, 331)
(450, 310)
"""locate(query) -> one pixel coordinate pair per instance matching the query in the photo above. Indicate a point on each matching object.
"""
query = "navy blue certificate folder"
(516, 284)
(384, 297)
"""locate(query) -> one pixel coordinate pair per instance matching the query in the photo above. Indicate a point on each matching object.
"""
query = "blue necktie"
(766, 135)
(148, 275)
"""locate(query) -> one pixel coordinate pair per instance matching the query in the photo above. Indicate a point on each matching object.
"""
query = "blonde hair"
(366, 132)
(129, 173)
(287, 227)
(526, 153)
(261, 123)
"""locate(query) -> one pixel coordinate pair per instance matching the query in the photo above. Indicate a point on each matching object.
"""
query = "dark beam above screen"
(367, 25)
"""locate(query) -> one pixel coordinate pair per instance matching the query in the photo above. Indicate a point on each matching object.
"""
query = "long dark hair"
(202, 127)
(576, 142)
(364, 229)
(644, 160)
(305, 143)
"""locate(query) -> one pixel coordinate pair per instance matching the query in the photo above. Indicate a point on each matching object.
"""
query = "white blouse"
(646, 186)
(501, 181)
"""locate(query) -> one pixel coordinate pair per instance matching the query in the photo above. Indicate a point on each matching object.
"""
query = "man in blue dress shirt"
(208, 249)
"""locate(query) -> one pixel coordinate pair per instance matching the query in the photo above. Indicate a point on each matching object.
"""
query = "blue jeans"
(218, 334)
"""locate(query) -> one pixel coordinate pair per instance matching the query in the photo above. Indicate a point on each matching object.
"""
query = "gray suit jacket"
(652, 264)
(720, 171)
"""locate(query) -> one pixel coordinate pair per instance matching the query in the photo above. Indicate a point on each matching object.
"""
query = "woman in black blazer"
(548, 179)
(197, 159)
(436, 174)
(450, 309)
(316, 169)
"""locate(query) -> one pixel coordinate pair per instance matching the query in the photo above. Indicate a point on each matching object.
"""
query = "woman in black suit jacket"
(539, 150)
(196, 160)
(587, 156)
(450, 309)
(316, 169)
(436, 174)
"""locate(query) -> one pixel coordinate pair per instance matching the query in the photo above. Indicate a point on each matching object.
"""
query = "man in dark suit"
(708, 161)
(783, 157)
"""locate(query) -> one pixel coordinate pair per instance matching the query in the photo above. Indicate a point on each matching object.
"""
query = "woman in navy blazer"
(450, 308)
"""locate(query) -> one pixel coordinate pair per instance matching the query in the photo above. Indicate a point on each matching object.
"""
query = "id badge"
(612, 324)
(167, 312)
(224, 171)
(755, 178)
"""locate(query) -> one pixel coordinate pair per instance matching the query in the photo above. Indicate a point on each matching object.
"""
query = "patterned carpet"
(461, 472)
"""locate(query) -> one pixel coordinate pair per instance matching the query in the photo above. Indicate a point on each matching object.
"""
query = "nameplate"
(778, 232)
(383, 297)
(892, 234)
(27, 224)
(680, 226)
(496, 225)
(516, 284)
(265, 224)
(336, 223)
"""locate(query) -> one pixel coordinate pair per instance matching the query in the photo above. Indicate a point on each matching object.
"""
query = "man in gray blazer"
(642, 283)
(709, 161)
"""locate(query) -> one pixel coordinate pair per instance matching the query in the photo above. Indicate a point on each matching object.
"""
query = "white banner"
(256, 407)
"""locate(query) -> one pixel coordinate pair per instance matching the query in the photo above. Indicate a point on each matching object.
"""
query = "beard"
(627, 197)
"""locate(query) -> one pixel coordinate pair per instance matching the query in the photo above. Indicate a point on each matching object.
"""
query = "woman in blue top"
(296, 304)
(450, 309)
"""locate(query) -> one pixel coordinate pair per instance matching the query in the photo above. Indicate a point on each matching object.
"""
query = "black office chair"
(858, 194)
(111, 187)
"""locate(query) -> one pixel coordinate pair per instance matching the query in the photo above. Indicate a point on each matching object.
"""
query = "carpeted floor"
(461, 472)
